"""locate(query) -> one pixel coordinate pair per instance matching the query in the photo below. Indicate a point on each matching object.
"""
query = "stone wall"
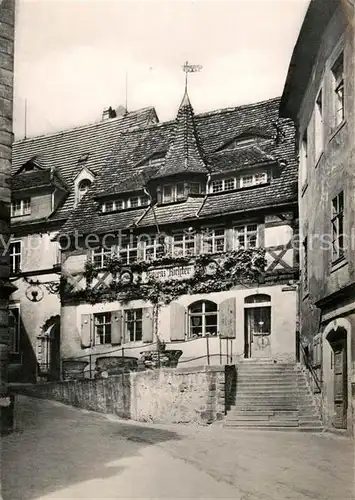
(190, 395)
(7, 19)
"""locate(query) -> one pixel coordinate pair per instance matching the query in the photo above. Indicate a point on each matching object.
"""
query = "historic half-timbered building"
(319, 97)
(186, 239)
(50, 175)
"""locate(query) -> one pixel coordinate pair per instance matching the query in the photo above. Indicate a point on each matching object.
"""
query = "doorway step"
(272, 396)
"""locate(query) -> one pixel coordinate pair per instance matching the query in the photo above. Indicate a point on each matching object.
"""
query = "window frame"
(305, 262)
(338, 94)
(81, 192)
(245, 233)
(156, 245)
(129, 248)
(103, 253)
(187, 238)
(107, 328)
(304, 157)
(17, 328)
(125, 203)
(174, 192)
(134, 321)
(203, 314)
(23, 211)
(337, 224)
(206, 236)
(319, 124)
(12, 255)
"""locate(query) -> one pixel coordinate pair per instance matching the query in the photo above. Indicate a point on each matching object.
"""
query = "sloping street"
(59, 452)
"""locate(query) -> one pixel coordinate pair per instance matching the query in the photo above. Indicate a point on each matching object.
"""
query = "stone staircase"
(268, 395)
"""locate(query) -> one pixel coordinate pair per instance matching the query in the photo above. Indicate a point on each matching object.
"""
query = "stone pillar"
(7, 17)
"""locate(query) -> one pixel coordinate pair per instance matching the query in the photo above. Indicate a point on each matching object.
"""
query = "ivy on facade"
(211, 273)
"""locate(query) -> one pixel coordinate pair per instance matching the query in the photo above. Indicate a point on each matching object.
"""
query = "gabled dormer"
(252, 136)
(82, 182)
(36, 191)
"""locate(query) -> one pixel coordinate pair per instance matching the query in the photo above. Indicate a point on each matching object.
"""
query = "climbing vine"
(212, 273)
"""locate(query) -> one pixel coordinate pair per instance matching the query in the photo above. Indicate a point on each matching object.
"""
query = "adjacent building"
(319, 95)
(50, 175)
(7, 15)
(186, 239)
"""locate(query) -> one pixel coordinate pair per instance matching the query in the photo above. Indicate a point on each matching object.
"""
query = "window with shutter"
(116, 327)
(147, 324)
(203, 318)
(227, 318)
(86, 330)
(177, 322)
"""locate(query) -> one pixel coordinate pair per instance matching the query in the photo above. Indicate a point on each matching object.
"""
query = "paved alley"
(59, 452)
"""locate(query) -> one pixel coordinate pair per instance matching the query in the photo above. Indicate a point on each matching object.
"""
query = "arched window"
(203, 319)
(83, 187)
(257, 298)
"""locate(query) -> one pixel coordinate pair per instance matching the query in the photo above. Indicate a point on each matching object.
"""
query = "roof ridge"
(82, 127)
(233, 108)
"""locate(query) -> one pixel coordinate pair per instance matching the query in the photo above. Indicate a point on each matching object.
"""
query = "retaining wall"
(189, 395)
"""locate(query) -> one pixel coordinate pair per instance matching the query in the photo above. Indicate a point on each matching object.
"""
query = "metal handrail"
(308, 364)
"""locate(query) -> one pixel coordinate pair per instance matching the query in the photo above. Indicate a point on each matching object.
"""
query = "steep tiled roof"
(73, 150)
(239, 158)
(185, 153)
(165, 214)
(92, 220)
(124, 168)
(36, 178)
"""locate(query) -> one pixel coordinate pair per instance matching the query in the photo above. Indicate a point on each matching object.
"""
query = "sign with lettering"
(168, 273)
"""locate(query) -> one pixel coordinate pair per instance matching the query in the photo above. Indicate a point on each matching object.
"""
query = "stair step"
(274, 428)
(256, 423)
(270, 392)
(247, 418)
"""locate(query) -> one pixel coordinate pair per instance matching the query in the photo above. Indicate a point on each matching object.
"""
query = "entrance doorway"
(48, 350)
(257, 326)
(338, 343)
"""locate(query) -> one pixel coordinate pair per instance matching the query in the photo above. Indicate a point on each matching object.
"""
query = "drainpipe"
(205, 198)
(7, 20)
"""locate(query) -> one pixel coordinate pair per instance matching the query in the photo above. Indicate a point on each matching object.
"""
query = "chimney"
(121, 111)
(108, 113)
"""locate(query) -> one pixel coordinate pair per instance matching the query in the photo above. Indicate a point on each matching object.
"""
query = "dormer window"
(21, 207)
(83, 188)
(173, 192)
(179, 191)
(253, 180)
(124, 203)
(240, 142)
(231, 183)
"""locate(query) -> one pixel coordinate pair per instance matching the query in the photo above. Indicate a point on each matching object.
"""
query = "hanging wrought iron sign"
(34, 293)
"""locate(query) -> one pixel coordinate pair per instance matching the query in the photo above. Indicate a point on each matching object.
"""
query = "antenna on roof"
(25, 118)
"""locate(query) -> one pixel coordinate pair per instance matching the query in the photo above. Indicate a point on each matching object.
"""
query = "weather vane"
(190, 68)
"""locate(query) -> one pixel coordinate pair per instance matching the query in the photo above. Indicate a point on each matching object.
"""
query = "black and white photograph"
(177, 249)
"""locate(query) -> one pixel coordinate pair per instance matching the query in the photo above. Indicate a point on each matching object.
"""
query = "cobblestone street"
(59, 452)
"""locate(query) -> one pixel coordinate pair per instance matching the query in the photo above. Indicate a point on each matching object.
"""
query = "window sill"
(336, 130)
(339, 263)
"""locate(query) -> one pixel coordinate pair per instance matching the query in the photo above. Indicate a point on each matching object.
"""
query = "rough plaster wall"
(166, 396)
(163, 396)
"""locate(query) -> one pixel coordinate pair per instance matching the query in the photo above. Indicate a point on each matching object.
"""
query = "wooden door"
(340, 385)
(257, 332)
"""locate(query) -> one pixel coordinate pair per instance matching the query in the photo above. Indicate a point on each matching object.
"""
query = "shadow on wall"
(58, 447)
(23, 366)
(112, 395)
